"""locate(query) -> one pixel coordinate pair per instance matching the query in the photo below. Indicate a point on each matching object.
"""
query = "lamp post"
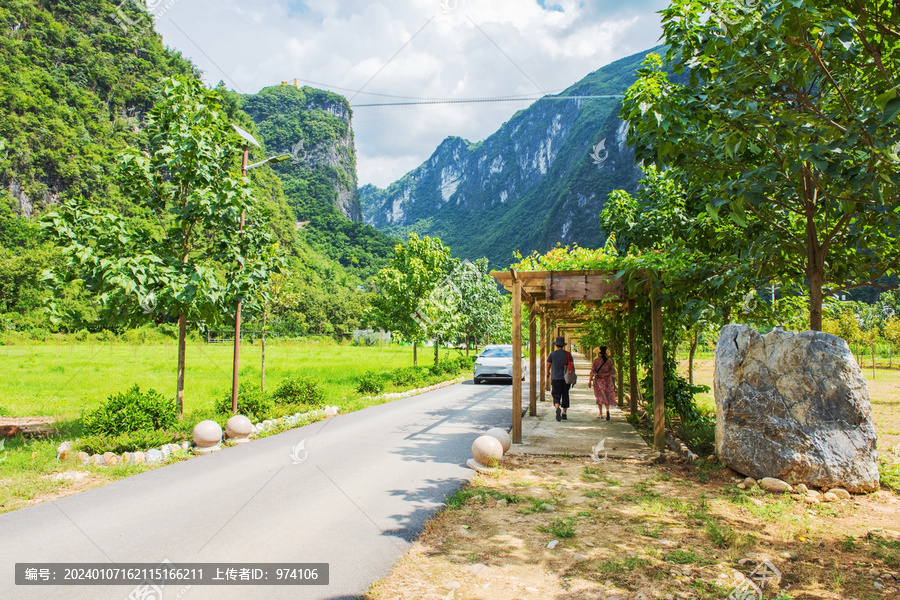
(248, 139)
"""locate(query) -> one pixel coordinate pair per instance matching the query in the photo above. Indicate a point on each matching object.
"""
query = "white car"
(495, 362)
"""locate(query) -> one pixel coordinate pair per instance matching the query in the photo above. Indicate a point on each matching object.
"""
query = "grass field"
(884, 392)
(64, 379)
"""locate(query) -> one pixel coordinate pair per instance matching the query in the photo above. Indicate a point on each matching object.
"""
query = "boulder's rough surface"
(794, 406)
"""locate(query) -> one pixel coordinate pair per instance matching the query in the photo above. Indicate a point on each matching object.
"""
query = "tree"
(404, 287)
(187, 259)
(787, 119)
(891, 333)
(480, 304)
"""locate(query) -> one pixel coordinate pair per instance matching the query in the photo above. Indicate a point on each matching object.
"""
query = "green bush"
(466, 363)
(130, 411)
(134, 441)
(299, 390)
(406, 376)
(370, 383)
(252, 402)
(700, 435)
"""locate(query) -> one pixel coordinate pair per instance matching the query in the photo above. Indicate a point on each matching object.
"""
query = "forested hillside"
(541, 179)
(74, 88)
(320, 181)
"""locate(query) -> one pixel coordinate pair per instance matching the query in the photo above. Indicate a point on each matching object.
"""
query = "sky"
(459, 49)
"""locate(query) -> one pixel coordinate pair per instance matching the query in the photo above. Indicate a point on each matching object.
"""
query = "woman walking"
(603, 375)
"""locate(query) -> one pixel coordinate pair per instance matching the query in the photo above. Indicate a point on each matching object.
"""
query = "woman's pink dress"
(604, 376)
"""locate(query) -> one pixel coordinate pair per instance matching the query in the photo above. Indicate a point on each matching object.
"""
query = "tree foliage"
(192, 261)
(402, 304)
(787, 127)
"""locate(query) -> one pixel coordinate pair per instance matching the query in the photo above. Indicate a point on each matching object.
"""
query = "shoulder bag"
(570, 375)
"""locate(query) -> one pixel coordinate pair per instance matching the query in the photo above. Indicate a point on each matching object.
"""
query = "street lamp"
(248, 139)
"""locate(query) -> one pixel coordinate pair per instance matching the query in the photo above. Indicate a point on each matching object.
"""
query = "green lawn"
(65, 379)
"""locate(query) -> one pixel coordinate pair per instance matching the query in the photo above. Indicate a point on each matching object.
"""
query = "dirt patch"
(637, 530)
(72, 482)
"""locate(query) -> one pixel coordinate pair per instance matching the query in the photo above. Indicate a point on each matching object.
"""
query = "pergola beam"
(553, 296)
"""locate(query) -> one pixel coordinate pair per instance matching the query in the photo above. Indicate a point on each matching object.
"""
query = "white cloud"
(458, 49)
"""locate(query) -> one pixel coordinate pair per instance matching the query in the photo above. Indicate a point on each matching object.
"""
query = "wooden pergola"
(551, 298)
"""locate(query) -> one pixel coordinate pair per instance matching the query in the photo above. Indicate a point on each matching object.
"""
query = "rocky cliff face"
(541, 179)
(315, 127)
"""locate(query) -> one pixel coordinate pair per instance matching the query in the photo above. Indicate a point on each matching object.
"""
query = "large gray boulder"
(794, 406)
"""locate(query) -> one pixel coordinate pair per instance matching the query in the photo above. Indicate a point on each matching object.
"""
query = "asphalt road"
(355, 497)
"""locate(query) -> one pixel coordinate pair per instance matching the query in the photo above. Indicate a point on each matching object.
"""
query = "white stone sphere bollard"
(238, 429)
(502, 436)
(207, 435)
(486, 454)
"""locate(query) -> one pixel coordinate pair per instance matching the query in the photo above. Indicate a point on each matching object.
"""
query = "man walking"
(557, 364)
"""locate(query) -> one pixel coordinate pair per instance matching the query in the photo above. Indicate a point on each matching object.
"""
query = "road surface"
(354, 495)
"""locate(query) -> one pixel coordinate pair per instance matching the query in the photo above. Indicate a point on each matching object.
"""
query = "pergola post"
(532, 365)
(620, 364)
(659, 401)
(544, 327)
(517, 361)
(632, 368)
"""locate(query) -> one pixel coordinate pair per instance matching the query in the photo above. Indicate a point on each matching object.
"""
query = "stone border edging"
(158, 455)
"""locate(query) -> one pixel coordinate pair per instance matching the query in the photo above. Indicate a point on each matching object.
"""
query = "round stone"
(238, 428)
(207, 434)
(487, 451)
(502, 436)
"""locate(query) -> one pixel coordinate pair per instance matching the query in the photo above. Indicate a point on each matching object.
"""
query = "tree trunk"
(179, 389)
(694, 341)
(415, 357)
(815, 258)
(815, 300)
(437, 349)
(262, 377)
(467, 343)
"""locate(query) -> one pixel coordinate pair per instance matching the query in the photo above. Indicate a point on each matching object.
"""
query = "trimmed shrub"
(370, 383)
(299, 390)
(406, 376)
(130, 411)
(252, 402)
(134, 441)
(466, 363)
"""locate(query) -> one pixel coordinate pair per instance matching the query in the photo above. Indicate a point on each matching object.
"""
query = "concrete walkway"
(583, 431)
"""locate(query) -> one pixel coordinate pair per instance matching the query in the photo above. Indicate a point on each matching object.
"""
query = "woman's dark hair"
(603, 351)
